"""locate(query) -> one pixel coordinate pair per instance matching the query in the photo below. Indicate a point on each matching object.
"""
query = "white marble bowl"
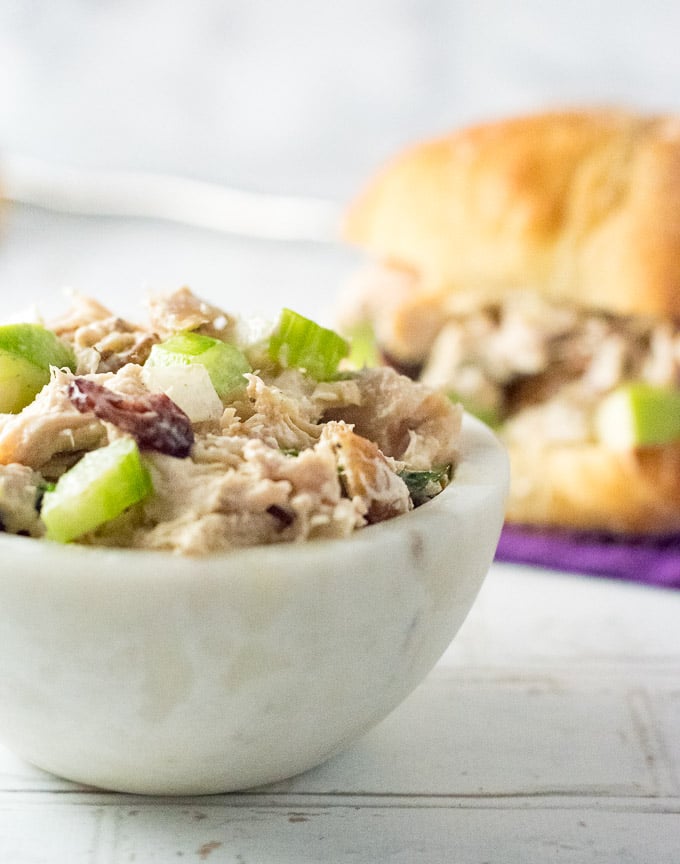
(148, 673)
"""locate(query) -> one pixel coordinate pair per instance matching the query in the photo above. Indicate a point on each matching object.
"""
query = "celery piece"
(638, 415)
(225, 363)
(301, 343)
(26, 353)
(99, 487)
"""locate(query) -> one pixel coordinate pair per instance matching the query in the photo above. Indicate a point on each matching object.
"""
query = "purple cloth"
(651, 561)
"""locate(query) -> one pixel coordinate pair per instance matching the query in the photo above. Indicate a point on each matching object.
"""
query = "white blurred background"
(293, 98)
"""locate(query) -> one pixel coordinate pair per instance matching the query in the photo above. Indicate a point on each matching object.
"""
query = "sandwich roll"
(530, 267)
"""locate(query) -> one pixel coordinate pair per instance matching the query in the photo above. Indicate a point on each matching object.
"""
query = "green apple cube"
(99, 487)
(225, 363)
(364, 349)
(300, 343)
(189, 387)
(26, 353)
(638, 415)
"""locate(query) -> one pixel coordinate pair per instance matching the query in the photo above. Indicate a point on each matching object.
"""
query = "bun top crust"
(581, 206)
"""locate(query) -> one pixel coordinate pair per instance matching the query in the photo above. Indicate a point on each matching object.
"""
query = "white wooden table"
(548, 732)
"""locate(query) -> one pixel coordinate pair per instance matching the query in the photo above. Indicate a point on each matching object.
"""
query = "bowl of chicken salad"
(228, 549)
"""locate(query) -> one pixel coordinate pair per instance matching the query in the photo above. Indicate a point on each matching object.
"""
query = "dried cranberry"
(283, 516)
(153, 420)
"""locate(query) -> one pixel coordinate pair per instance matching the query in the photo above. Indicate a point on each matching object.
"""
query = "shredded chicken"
(285, 418)
(49, 428)
(102, 342)
(407, 420)
(367, 473)
(19, 492)
(182, 310)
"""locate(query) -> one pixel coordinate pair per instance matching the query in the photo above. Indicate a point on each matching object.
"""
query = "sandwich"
(530, 267)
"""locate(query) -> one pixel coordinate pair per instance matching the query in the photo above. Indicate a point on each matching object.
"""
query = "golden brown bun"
(581, 206)
(589, 487)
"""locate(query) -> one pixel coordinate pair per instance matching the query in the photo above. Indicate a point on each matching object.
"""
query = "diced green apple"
(189, 387)
(99, 487)
(638, 415)
(363, 346)
(26, 353)
(225, 363)
(300, 343)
